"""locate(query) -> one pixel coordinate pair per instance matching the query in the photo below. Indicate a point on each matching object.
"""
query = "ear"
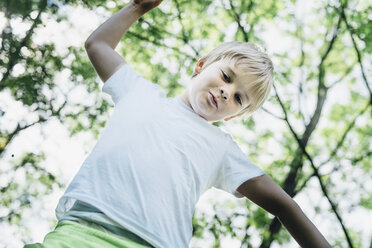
(229, 118)
(199, 65)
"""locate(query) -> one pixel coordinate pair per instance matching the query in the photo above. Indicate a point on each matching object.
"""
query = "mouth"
(213, 99)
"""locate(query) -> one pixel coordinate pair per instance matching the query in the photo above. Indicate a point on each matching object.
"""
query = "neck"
(185, 99)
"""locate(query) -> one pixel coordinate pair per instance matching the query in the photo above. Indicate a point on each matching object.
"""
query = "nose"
(225, 94)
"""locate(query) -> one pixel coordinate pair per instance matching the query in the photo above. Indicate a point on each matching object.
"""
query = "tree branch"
(359, 56)
(185, 37)
(289, 183)
(140, 37)
(316, 173)
(269, 112)
(347, 130)
(20, 128)
(339, 144)
(12, 62)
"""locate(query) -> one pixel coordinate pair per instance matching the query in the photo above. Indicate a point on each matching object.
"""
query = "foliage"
(317, 128)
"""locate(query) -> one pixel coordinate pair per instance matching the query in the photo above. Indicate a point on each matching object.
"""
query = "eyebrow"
(231, 71)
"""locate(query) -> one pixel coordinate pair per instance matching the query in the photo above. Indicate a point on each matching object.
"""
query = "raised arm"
(101, 44)
(270, 196)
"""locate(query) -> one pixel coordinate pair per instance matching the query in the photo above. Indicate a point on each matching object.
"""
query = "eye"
(226, 77)
(237, 97)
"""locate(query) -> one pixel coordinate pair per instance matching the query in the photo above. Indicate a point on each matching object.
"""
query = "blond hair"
(251, 59)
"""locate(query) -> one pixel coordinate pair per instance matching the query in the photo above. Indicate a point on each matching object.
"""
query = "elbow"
(93, 46)
(90, 43)
(87, 44)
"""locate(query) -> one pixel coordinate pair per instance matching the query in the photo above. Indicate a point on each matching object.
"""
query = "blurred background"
(312, 136)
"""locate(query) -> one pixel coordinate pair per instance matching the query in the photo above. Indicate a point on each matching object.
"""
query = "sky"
(66, 154)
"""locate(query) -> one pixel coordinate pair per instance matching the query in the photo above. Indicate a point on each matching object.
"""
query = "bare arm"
(101, 44)
(270, 196)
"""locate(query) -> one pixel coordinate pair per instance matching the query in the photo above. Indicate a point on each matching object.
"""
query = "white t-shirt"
(152, 162)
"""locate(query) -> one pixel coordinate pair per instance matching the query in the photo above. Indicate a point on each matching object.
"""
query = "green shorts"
(69, 234)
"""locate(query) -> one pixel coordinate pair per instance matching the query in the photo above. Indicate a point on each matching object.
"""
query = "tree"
(322, 140)
(28, 71)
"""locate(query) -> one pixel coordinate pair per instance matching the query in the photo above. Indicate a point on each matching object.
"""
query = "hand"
(147, 5)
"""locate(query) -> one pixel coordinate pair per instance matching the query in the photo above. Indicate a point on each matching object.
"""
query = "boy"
(157, 155)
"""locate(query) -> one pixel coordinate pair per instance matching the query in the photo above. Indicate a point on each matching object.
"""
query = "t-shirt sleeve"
(236, 168)
(126, 80)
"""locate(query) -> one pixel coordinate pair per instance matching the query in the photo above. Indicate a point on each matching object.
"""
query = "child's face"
(229, 90)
